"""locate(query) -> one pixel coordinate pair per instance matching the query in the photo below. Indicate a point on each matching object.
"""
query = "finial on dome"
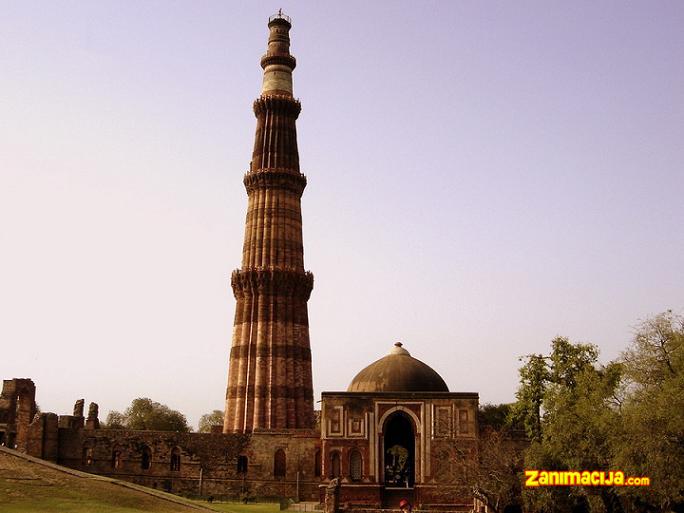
(398, 349)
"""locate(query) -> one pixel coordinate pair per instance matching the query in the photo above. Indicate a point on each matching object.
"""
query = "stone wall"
(197, 464)
(43, 437)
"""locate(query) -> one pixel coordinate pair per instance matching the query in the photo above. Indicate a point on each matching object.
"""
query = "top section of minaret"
(278, 63)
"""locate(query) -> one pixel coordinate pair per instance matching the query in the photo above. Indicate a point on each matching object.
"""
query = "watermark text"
(536, 478)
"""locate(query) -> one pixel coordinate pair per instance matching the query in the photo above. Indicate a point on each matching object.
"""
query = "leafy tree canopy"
(115, 420)
(627, 415)
(210, 419)
(543, 373)
(146, 414)
(496, 417)
(652, 411)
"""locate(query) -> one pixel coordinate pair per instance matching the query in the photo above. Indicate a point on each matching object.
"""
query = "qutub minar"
(269, 381)
(396, 432)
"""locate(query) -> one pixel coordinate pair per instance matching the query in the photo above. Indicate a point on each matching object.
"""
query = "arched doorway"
(399, 449)
(279, 464)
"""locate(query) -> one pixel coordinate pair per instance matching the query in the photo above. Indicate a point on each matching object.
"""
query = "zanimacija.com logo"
(536, 478)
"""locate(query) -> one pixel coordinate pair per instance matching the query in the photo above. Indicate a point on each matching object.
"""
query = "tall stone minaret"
(269, 376)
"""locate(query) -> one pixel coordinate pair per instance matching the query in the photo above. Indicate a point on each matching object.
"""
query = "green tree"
(495, 416)
(580, 426)
(210, 419)
(627, 415)
(652, 442)
(540, 373)
(146, 414)
(568, 361)
(535, 377)
(115, 420)
(565, 401)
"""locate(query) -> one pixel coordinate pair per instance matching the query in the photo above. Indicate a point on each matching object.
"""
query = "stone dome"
(398, 372)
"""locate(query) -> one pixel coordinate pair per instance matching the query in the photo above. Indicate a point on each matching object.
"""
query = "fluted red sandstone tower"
(269, 377)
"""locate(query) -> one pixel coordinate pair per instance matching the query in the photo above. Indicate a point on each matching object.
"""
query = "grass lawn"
(28, 487)
(91, 499)
(32, 487)
(238, 507)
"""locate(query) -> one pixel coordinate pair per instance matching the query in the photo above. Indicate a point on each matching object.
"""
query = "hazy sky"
(483, 176)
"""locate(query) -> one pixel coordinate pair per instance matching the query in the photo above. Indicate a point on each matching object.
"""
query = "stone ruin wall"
(203, 463)
(208, 461)
(17, 409)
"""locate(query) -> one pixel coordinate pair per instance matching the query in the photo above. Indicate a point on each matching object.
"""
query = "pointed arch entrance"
(399, 451)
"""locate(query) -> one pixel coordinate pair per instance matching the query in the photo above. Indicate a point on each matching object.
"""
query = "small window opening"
(175, 459)
(242, 464)
(146, 460)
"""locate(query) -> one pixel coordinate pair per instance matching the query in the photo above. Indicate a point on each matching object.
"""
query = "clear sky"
(483, 176)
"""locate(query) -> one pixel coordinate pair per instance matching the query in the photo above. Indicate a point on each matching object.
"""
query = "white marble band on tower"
(278, 63)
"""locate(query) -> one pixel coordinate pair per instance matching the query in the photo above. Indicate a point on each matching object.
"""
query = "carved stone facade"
(397, 440)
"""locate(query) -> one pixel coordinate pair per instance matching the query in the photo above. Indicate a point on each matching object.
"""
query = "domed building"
(398, 432)
(398, 372)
